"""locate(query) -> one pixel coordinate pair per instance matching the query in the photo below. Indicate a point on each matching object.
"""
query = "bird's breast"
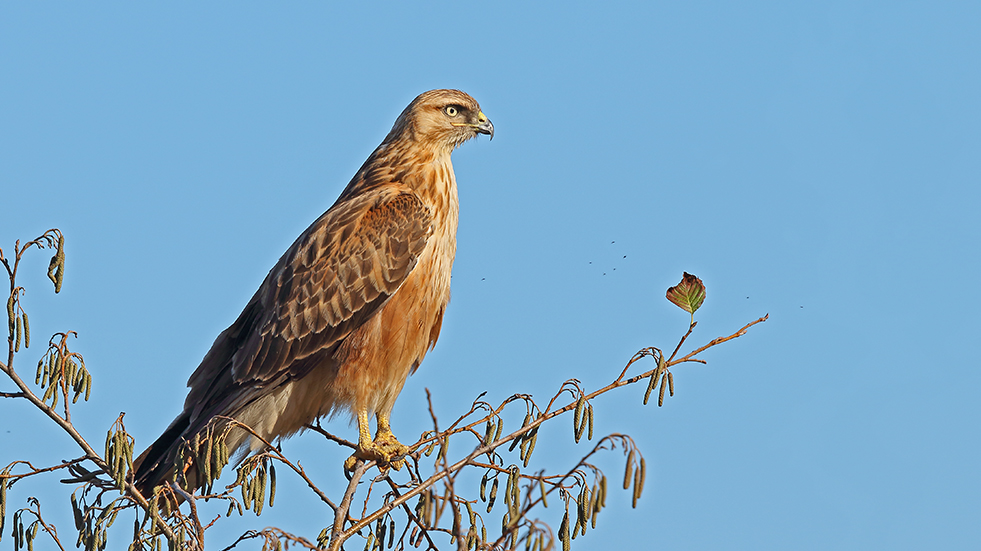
(375, 360)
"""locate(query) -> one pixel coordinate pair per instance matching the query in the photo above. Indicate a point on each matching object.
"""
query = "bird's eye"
(451, 111)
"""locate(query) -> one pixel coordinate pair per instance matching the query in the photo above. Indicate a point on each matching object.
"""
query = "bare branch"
(35, 470)
(720, 340)
(338, 535)
(274, 452)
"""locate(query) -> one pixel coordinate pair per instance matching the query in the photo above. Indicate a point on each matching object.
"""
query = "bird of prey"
(351, 308)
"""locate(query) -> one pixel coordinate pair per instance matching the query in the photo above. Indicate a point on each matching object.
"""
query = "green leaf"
(689, 294)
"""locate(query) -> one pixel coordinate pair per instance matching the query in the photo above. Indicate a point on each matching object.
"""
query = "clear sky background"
(815, 161)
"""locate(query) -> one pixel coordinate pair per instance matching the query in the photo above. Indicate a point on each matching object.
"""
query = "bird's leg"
(386, 441)
(364, 430)
(384, 449)
(364, 449)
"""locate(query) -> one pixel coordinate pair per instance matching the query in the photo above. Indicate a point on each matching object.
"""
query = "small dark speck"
(604, 273)
(483, 278)
(614, 269)
(747, 297)
(801, 306)
(590, 262)
(625, 256)
(612, 242)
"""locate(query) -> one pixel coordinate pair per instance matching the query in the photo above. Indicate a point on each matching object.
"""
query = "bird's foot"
(385, 449)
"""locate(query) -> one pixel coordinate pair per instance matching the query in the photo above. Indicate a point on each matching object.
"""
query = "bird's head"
(442, 118)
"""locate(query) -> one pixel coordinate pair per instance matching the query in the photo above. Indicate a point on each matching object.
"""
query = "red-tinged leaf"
(689, 294)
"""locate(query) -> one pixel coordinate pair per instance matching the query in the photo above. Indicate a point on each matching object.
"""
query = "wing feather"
(336, 275)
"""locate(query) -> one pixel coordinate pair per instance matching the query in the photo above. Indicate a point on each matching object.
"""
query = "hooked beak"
(484, 125)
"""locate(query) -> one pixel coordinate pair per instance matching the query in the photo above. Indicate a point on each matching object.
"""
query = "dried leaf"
(689, 294)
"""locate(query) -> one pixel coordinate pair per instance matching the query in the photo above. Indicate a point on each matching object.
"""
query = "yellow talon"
(385, 448)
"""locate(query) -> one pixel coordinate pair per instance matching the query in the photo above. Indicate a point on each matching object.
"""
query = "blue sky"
(815, 161)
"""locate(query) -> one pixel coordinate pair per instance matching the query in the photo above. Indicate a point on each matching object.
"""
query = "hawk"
(351, 308)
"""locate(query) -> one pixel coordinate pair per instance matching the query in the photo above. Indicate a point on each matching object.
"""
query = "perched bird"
(348, 312)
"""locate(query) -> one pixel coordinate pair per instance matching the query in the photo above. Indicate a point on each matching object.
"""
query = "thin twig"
(90, 453)
(408, 512)
(600, 446)
(298, 469)
(29, 395)
(443, 457)
(35, 470)
(338, 535)
(190, 499)
(274, 533)
(691, 328)
(720, 340)
(320, 430)
(481, 450)
(640, 354)
(49, 528)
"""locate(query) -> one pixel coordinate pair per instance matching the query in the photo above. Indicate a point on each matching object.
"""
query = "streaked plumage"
(353, 306)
